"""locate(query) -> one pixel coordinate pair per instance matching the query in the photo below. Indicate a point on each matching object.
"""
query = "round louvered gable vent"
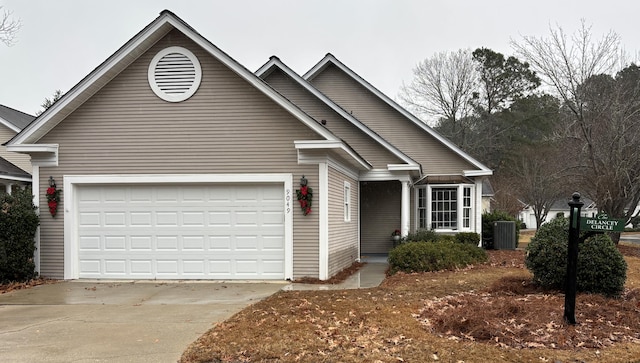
(174, 74)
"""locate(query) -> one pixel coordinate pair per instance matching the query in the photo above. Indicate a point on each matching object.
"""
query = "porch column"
(8, 188)
(404, 209)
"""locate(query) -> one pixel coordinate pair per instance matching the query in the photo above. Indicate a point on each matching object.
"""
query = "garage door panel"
(115, 219)
(167, 243)
(196, 219)
(141, 243)
(115, 196)
(167, 267)
(89, 219)
(220, 243)
(247, 243)
(140, 219)
(89, 243)
(272, 267)
(115, 266)
(166, 219)
(193, 243)
(194, 267)
(115, 243)
(215, 231)
(89, 266)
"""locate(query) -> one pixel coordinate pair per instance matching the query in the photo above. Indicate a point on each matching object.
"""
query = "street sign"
(601, 223)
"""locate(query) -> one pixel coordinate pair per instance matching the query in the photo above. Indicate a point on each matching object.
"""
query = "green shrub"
(469, 238)
(601, 267)
(446, 238)
(422, 235)
(433, 256)
(487, 226)
(18, 224)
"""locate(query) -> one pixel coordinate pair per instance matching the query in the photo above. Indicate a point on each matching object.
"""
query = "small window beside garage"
(174, 74)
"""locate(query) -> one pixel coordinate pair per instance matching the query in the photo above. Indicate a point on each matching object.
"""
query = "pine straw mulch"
(484, 313)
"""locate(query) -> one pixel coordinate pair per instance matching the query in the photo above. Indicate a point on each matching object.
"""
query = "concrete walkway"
(370, 275)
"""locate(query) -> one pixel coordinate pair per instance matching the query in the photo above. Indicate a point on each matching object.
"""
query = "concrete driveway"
(116, 321)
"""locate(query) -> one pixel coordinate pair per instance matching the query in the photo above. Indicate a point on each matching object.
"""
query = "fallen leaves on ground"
(513, 318)
(12, 286)
(397, 322)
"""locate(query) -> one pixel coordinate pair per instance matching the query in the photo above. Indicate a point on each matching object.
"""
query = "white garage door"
(181, 232)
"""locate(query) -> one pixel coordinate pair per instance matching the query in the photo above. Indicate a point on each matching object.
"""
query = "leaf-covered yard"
(483, 313)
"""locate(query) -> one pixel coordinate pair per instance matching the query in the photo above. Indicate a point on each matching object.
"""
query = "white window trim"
(347, 201)
(460, 195)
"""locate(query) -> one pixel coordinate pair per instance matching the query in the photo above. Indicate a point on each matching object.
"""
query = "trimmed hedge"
(433, 256)
(601, 267)
(18, 224)
(469, 238)
(422, 235)
(429, 235)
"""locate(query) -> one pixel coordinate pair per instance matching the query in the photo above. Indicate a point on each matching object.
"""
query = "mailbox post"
(572, 260)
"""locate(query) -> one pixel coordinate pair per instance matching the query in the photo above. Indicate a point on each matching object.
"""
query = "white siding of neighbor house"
(226, 127)
(434, 157)
(343, 236)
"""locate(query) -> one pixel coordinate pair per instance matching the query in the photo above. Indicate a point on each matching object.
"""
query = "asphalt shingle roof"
(17, 118)
(8, 169)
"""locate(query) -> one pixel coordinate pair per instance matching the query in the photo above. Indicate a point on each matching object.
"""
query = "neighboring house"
(487, 195)
(15, 168)
(589, 209)
(176, 162)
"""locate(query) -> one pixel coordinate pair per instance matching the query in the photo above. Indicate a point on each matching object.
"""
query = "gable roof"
(8, 171)
(275, 63)
(128, 53)
(14, 119)
(329, 59)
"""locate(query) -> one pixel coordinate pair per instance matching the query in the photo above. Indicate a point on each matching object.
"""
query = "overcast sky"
(60, 42)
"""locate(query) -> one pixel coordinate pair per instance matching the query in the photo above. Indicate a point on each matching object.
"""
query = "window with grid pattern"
(444, 208)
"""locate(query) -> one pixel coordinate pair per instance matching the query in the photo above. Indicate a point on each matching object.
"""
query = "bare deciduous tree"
(603, 129)
(566, 63)
(442, 86)
(8, 27)
(540, 175)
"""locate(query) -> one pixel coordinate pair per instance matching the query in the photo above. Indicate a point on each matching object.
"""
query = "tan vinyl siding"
(435, 157)
(23, 161)
(343, 236)
(51, 229)
(226, 127)
(380, 212)
(306, 240)
(366, 147)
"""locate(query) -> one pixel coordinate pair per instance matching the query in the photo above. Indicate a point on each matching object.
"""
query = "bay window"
(445, 207)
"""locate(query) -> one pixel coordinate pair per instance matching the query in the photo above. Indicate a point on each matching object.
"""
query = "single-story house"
(527, 216)
(15, 168)
(173, 161)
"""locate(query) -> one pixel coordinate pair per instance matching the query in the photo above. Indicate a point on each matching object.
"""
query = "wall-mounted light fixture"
(52, 182)
(303, 181)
